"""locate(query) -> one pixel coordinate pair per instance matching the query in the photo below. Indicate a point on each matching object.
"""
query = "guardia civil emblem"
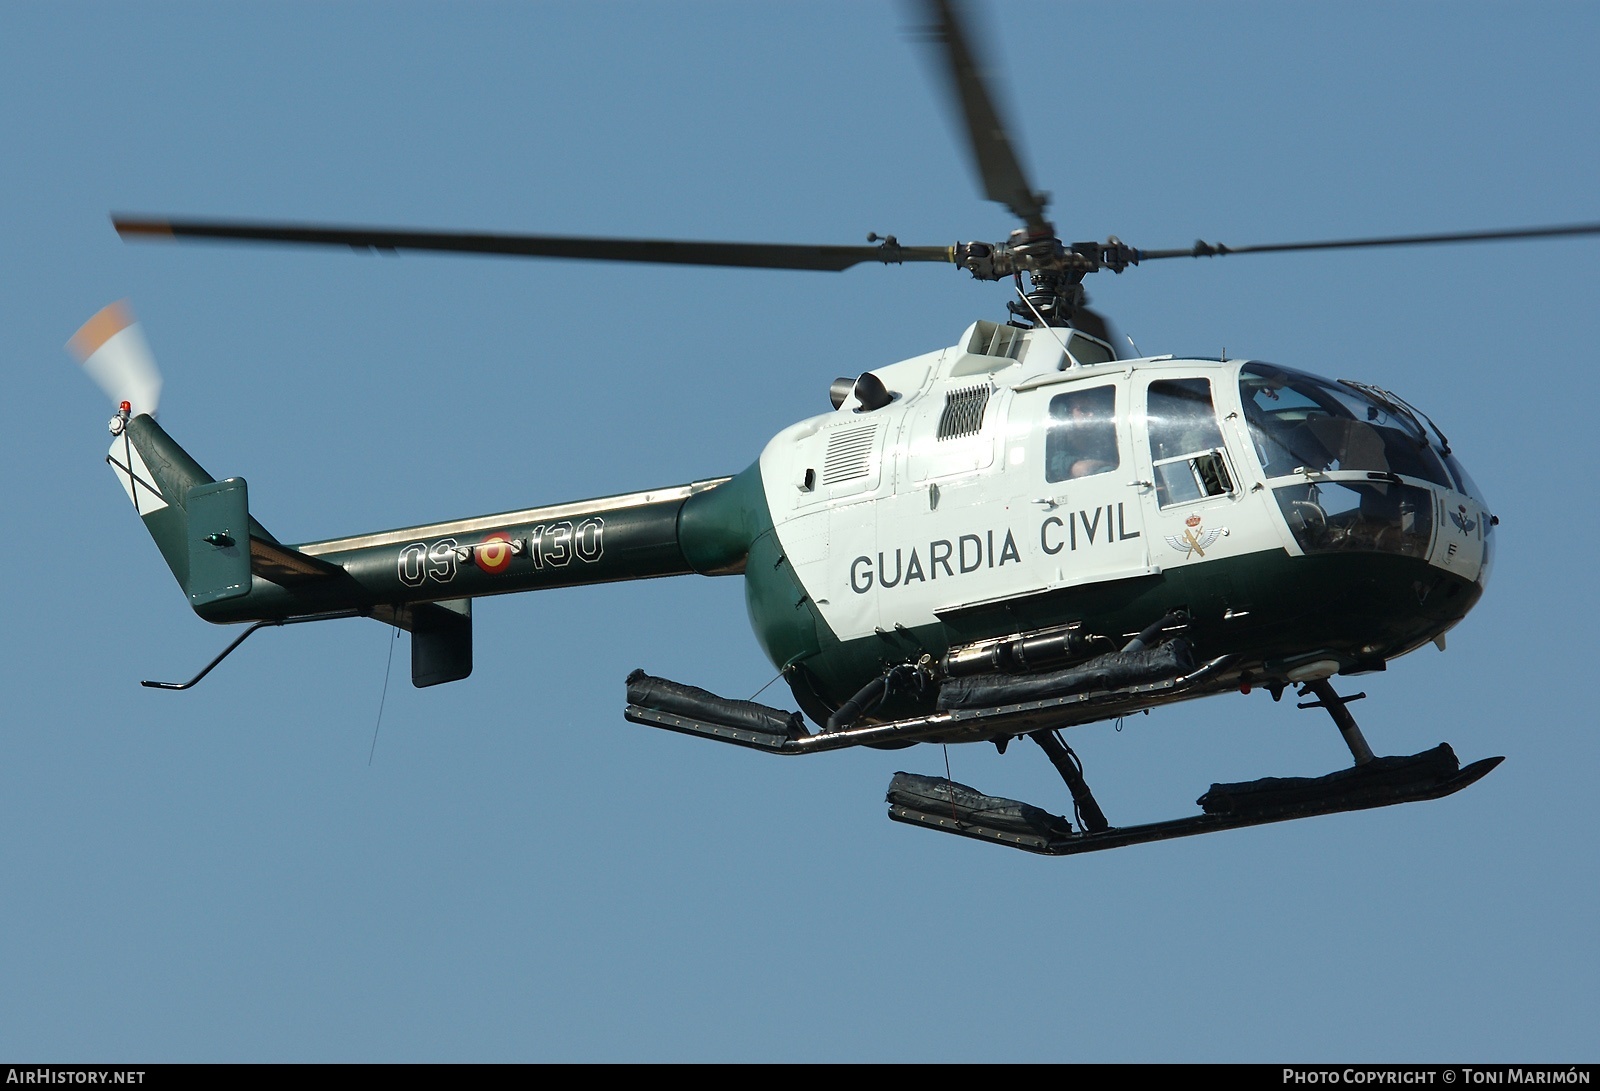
(1195, 538)
(1464, 523)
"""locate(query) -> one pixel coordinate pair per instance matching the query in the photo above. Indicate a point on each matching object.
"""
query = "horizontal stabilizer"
(287, 567)
(218, 531)
(227, 547)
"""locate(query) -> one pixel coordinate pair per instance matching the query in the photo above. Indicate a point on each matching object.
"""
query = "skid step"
(944, 805)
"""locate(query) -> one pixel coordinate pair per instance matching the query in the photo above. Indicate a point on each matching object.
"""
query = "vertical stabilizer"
(157, 475)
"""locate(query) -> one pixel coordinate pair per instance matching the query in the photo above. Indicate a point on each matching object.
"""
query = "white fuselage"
(961, 491)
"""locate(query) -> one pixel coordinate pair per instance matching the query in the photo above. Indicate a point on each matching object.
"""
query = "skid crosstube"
(940, 804)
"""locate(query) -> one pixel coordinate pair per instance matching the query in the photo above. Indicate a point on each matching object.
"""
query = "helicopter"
(1020, 532)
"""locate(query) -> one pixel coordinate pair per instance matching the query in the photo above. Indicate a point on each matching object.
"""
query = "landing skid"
(940, 804)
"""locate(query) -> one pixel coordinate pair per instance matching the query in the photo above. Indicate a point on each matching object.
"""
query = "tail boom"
(609, 539)
(421, 578)
(200, 524)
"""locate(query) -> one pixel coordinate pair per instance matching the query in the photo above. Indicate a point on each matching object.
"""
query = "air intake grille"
(963, 412)
(990, 339)
(849, 454)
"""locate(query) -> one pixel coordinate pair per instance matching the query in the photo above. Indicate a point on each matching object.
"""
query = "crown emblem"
(1195, 539)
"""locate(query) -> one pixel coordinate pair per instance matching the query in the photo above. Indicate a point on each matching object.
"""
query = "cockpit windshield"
(1300, 422)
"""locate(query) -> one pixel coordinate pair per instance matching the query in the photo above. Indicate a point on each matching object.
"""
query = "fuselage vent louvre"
(963, 411)
(849, 454)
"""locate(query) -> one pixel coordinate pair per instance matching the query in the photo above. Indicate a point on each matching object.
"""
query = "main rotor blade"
(1203, 249)
(757, 255)
(992, 149)
(1093, 323)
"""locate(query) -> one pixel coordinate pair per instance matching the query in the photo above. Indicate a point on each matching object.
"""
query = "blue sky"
(519, 873)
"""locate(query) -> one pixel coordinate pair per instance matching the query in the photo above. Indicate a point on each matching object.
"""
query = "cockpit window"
(1082, 437)
(1298, 421)
(1346, 516)
(1464, 482)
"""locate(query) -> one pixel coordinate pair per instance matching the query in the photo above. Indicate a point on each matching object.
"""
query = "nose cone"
(1464, 541)
(1488, 546)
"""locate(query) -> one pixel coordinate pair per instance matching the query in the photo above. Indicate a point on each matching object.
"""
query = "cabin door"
(1080, 481)
(1192, 483)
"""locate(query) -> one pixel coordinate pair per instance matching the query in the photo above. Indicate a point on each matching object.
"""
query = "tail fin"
(214, 547)
(158, 475)
(205, 532)
(202, 527)
(155, 472)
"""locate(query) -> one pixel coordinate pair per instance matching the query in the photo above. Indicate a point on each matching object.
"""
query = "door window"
(1081, 440)
(1186, 450)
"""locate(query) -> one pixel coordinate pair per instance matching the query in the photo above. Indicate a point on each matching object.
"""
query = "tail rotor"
(112, 349)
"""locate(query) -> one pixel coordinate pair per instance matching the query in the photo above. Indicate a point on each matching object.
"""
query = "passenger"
(1091, 432)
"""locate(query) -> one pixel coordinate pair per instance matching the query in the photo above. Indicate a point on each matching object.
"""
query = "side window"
(1081, 440)
(1186, 447)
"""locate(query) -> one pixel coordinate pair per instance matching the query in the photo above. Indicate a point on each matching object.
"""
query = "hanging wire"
(763, 689)
(950, 782)
(384, 696)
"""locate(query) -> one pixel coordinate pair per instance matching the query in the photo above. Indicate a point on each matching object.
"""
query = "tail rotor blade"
(112, 349)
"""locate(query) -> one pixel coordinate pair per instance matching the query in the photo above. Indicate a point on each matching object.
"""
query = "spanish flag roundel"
(494, 555)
